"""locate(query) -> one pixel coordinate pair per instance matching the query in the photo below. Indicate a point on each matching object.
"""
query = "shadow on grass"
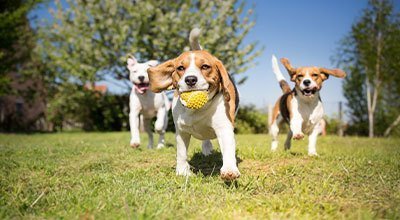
(208, 165)
(168, 145)
(296, 153)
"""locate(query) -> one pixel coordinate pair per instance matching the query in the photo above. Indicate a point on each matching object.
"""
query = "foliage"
(16, 39)
(90, 110)
(82, 45)
(250, 120)
(370, 54)
(98, 176)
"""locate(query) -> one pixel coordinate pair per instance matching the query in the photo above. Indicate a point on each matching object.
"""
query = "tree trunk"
(370, 110)
(394, 124)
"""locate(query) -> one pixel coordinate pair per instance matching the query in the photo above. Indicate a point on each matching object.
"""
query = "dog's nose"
(141, 78)
(190, 80)
(307, 82)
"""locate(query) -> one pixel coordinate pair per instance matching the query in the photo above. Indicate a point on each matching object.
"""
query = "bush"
(250, 120)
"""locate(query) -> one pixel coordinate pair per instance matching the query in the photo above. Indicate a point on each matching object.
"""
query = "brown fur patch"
(284, 86)
(168, 74)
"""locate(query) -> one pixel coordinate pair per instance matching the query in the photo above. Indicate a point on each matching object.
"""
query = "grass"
(96, 175)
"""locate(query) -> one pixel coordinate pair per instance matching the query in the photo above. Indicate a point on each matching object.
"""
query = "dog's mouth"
(193, 90)
(141, 87)
(309, 91)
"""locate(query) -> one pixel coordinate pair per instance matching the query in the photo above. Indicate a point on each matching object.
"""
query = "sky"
(307, 32)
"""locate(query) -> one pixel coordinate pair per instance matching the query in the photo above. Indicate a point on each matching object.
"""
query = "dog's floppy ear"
(229, 91)
(289, 68)
(334, 72)
(161, 76)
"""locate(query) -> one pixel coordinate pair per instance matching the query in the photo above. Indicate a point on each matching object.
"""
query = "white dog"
(145, 102)
(199, 70)
(301, 107)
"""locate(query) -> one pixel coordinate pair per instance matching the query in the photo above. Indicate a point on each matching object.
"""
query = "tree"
(20, 92)
(88, 41)
(15, 39)
(370, 54)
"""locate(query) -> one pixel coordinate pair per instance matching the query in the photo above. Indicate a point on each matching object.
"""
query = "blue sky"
(307, 32)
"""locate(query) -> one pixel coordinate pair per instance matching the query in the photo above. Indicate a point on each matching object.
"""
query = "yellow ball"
(194, 99)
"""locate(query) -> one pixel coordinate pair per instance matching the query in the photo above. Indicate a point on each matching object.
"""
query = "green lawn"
(85, 175)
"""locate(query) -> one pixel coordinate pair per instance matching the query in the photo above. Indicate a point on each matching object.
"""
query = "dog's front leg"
(161, 125)
(134, 126)
(226, 140)
(296, 123)
(182, 143)
(312, 142)
(147, 128)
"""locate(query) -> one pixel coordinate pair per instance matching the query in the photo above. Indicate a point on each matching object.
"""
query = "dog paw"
(135, 145)
(313, 154)
(298, 136)
(183, 170)
(229, 173)
(160, 145)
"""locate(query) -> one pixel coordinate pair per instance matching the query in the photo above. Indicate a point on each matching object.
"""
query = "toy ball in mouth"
(194, 99)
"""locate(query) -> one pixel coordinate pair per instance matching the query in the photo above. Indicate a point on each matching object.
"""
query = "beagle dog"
(145, 102)
(199, 70)
(301, 107)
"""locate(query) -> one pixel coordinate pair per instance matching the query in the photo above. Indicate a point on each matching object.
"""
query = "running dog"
(199, 70)
(301, 107)
(145, 102)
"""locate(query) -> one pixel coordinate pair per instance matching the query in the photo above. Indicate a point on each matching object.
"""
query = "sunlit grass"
(84, 175)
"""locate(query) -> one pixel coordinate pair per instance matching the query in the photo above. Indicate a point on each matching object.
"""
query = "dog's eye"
(205, 67)
(315, 75)
(180, 68)
(300, 76)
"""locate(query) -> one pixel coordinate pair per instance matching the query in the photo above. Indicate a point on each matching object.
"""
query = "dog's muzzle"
(141, 87)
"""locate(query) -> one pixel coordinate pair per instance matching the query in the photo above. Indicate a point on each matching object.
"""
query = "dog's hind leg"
(288, 142)
(274, 130)
(147, 128)
(207, 147)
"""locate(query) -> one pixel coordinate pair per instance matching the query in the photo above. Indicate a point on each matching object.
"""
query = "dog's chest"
(198, 123)
(311, 113)
(150, 103)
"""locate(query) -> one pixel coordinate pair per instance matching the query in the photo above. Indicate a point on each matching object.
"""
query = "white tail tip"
(194, 39)
(276, 70)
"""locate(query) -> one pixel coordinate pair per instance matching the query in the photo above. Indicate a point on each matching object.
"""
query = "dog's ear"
(334, 72)
(289, 68)
(229, 91)
(131, 61)
(152, 63)
(161, 76)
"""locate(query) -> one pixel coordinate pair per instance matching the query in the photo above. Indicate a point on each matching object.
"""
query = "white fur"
(208, 122)
(193, 70)
(306, 114)
(194, 39)
(148, 104)
(313, 84)
(275, 68)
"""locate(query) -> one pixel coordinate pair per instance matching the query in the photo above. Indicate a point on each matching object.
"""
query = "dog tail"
(194, 39)
(279, 76)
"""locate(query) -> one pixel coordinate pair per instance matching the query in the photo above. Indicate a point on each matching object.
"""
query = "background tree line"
(370, 54)
(56, 66)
